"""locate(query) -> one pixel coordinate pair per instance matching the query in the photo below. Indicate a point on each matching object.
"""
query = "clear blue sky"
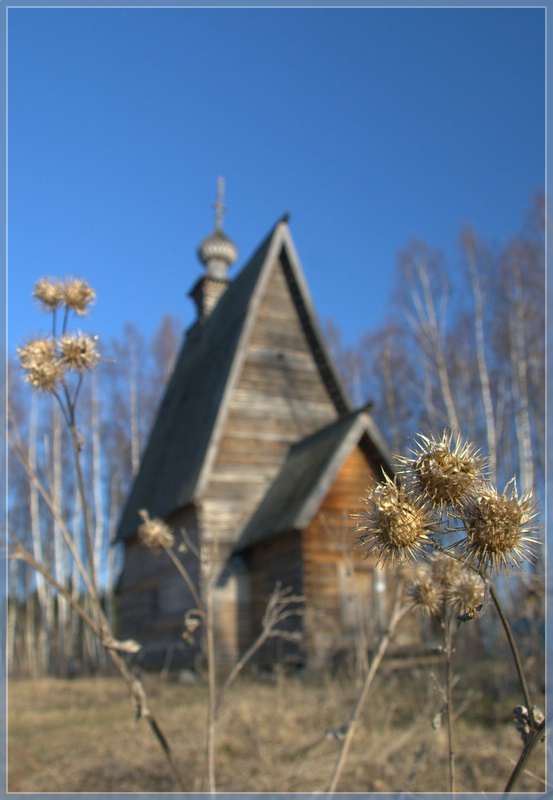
(370, 126)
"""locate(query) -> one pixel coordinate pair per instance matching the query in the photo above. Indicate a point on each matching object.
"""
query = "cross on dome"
(219, 205)
(217, 252)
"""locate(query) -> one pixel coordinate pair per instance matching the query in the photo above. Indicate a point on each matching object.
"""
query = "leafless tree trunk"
(31, 649)
(75, 623)
(11, 631)
(43, 594)
(114, 509)
(60, 559)
(428, 325)
(470, 250)
(390, 393)
(519, 366)
(96, 475)
(133, 406)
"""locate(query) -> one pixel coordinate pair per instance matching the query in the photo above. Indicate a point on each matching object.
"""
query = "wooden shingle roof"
(296, 494)
(183, 441)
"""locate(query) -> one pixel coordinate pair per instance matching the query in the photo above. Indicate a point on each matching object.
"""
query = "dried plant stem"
(86, 515)
(19, 551)
(512, 645)
(396, 614)
(534, 738)
(104, 634)
(143, 711)
(205, 610)
(536, 733)
(452, 628)
(31, 474)
(211, 686)
(489, 587)
(186, 578)
(275, 613)
(100, 626)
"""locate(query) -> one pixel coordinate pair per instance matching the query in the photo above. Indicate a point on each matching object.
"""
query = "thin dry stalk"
(77, 295)
(183, 572)
(33, 477)
(103, 633)
(537, 731)
(396, 614)
(276, 612)
(452, 628)
(211, 693)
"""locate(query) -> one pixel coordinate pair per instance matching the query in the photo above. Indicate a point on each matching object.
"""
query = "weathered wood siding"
(346, 597)
(280, 397)
(276, 560)
(153, 597)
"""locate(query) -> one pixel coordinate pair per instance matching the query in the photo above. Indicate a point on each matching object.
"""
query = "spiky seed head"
(38, 358)
(49, 293)
(444, 569)
(35, 350)
(395, 525)
(501, 528)
(465, 592)
(78, 295)
(78, 352)
(445, 470)
(425, 594)
(154, 533)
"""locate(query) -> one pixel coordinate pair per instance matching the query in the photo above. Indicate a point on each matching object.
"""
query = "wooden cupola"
(217, 253)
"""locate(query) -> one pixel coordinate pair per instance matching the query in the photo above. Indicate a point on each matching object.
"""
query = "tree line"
(463, 347)
(116, 406)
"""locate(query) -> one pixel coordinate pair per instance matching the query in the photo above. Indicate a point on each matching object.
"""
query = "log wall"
(346, 597)
(280, 397)
(153, 597)
(276, 560)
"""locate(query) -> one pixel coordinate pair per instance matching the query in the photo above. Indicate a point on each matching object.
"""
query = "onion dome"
(217, 252)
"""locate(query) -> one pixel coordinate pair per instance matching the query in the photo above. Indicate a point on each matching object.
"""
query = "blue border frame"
(3, 306)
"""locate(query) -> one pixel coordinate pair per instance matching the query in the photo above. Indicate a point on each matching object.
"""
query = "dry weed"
(77, 736)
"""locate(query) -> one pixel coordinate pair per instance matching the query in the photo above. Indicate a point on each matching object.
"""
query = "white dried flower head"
(154, 533)
(447, 472)
(78, 295)
(425, 594)
(466, 592)
(445, 569)
(500, 528)
(36, 350)
(49, 293)
(78, 352)
(38, 358)
(396, 524)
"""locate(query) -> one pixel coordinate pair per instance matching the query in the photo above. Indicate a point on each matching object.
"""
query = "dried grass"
(80, 736)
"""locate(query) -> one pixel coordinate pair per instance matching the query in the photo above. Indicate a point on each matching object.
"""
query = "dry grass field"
(81, 736)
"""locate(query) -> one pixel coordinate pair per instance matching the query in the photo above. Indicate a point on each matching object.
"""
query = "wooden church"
(257, 454)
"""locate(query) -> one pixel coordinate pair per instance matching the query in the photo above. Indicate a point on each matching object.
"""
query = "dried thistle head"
(49, 293)
(501, 529)
(78, 352)
(154, 533)
(425, 594)
(446, 471)
(39, 360)
(396, 524)
(466, 592)
(445, 570)
(77, 295)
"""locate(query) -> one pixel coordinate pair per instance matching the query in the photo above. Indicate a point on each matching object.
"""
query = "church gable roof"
(307, 475)
(183, 442)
